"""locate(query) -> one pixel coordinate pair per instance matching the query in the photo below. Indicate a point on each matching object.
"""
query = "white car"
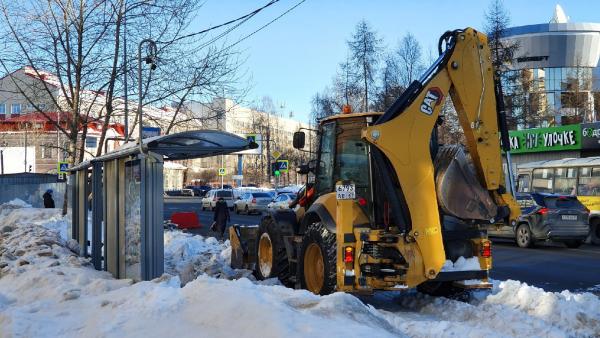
(210, 200)
(252, 202)
(282, 201)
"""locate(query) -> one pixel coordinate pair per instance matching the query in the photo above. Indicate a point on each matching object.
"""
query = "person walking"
(221, 217)
(48, 200)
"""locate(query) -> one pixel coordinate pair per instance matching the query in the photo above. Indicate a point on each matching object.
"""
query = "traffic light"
(277, 173)
(274, 168)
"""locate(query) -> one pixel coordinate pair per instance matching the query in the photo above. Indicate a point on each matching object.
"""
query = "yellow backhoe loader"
(389, 208)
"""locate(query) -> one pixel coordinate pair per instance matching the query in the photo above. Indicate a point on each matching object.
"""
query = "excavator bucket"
(458, 190)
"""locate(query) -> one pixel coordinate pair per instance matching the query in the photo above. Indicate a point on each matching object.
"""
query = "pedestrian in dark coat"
(221, 216)
(48, 200)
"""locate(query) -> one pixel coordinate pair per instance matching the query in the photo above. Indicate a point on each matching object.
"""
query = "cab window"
(325, 165)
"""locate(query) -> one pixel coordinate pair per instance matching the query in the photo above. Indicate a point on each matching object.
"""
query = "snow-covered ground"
(46, 290)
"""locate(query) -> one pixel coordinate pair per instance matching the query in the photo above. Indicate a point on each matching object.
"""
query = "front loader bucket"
(459, 192)
(243, 246)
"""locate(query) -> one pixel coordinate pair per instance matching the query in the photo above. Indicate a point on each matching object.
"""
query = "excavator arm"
(401, 142)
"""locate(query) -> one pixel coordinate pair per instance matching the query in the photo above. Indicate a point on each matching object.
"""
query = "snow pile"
(48, 291)
(462, 264)
(189, 256)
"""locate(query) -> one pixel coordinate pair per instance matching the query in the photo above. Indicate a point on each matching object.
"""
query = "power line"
(244, 18)
(265, 25)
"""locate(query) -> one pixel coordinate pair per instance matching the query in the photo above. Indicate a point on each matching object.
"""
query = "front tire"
(318, 260)
(271, 257)
(246, 210)
(235, 208)
(523, 236)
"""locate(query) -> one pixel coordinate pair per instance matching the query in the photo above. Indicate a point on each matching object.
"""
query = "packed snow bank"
(462, 264)
(48, 291)
(514, 309)
(189, 256)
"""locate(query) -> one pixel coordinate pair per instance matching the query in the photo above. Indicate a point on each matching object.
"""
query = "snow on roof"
(45, 76)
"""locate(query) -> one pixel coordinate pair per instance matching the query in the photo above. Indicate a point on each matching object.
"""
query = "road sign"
(62, 167)
(237, 177)
(221, 171)
(283, 165)
(150, 132)
(276, 154)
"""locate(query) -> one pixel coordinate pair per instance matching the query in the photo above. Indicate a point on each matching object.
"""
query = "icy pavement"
(48, 291)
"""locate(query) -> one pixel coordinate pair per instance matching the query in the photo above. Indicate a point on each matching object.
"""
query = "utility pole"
(25, 161)
(125, 74)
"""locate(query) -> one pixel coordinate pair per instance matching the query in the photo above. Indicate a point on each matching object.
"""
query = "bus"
(569, 176)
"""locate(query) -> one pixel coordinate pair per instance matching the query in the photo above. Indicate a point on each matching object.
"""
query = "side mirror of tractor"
(303, 169)
(299, 140)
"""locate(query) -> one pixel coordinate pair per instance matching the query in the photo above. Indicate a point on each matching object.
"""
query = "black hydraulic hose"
(502, 125)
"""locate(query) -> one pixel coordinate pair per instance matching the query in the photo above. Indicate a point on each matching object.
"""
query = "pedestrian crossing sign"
(63, 167)
(283, 165)
(221, 171)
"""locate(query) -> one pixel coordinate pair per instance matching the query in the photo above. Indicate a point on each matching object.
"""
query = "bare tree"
(410, 59)
(365, 48)
(391, 88)
(79, 41)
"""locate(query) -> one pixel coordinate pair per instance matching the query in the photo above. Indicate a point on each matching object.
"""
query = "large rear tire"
(271, 257)
(318, 260)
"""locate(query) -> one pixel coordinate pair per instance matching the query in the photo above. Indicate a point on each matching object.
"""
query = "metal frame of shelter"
(123, 190)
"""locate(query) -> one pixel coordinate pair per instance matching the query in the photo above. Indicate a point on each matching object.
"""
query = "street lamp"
(150, 59)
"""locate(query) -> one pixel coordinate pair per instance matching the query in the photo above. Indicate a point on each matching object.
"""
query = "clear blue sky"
(298, 55)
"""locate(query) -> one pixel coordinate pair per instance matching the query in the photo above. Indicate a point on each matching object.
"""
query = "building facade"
(274, 134)
(554, 77)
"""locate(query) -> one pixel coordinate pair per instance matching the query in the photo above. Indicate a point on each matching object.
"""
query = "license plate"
(345, 192)
(569, 217)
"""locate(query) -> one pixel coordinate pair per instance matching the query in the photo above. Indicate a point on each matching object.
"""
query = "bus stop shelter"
(117, 200)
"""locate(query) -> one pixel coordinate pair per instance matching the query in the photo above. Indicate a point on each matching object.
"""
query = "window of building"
(2, 111)
(542, 180)
(565, 180)
(47, 151)
(15, 109)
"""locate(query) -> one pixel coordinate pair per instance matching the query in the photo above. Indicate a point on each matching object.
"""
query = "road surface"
(552, 267)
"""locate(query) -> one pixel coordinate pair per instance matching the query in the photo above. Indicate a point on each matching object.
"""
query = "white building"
(274, 134)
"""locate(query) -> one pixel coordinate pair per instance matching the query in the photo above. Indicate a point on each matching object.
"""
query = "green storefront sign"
(545, 139)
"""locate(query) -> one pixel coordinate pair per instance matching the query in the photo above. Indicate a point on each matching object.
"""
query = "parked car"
(199, 190)
(282, 201)
(547, 217)
(252, 202)
(210, 200)
(182, 192)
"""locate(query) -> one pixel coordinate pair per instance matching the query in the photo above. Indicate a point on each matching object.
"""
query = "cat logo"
(433, 98)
